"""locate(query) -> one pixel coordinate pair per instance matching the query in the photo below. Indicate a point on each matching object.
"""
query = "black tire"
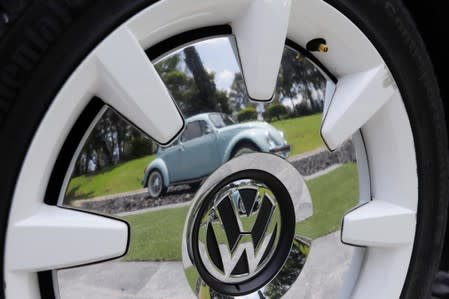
(39, 49)
(195, 186)
(401, 46)
(243, 149)
(53, 37)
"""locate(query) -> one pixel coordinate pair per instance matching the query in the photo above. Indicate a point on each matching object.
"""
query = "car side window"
(192, 131)
(205, 127)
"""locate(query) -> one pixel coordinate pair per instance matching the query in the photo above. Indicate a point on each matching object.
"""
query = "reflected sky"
(225, 67)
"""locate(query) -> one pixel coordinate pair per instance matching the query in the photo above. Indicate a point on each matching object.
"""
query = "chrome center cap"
(239, 236)
(239, 231)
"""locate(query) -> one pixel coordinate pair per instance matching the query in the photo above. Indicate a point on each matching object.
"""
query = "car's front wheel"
(156, 187)
(244, 149)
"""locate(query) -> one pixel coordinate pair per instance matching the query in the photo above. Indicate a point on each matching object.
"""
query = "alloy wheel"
(362, 110)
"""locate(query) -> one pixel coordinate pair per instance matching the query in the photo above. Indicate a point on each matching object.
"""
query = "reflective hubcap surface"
(227, 211)
(241, 228)
(243, 223)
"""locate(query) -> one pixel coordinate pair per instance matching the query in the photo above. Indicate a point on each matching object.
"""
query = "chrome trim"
(257, 254)
(283, 171)
(68, 174)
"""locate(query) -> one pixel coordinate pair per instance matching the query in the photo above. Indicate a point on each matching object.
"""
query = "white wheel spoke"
(379, 224)
(133, 87)
(260, 34)
(56, 238)
(357, 98)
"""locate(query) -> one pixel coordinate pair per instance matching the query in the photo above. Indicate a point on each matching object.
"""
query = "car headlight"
(270, 140)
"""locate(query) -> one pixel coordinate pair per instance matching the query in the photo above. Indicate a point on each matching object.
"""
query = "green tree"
(275, 110)
(238, 94)
(298, 75)
(181, 86)
(206, 89)
(113, 140)
(206, 98)
(193, 88)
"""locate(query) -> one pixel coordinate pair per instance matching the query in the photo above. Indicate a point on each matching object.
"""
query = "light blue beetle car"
(208, 141)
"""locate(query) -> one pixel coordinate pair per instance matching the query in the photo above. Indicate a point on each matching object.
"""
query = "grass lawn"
(302, 133)
(192, 277)
(120, 178)
(157, 235)
(332, 194)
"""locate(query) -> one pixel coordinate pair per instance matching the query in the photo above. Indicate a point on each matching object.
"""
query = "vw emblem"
(239, 231)
(239, 236)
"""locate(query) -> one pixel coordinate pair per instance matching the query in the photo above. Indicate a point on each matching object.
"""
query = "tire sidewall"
(161, 192)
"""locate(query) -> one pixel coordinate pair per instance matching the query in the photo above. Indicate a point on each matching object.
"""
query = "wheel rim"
(155, 184)
(391, 195)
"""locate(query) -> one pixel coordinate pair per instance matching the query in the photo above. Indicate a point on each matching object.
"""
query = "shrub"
(138, 147)
(247, 114)
(276, 111)
(303, 109)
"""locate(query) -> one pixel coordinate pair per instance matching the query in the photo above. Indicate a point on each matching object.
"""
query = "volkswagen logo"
(239, 231)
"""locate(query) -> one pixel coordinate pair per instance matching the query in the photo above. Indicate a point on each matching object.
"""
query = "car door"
(172, 158)
(198, 155)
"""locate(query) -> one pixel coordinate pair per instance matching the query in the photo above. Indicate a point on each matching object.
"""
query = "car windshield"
(220, 120)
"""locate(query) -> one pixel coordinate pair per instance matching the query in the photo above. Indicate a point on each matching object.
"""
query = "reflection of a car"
(209, 140)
